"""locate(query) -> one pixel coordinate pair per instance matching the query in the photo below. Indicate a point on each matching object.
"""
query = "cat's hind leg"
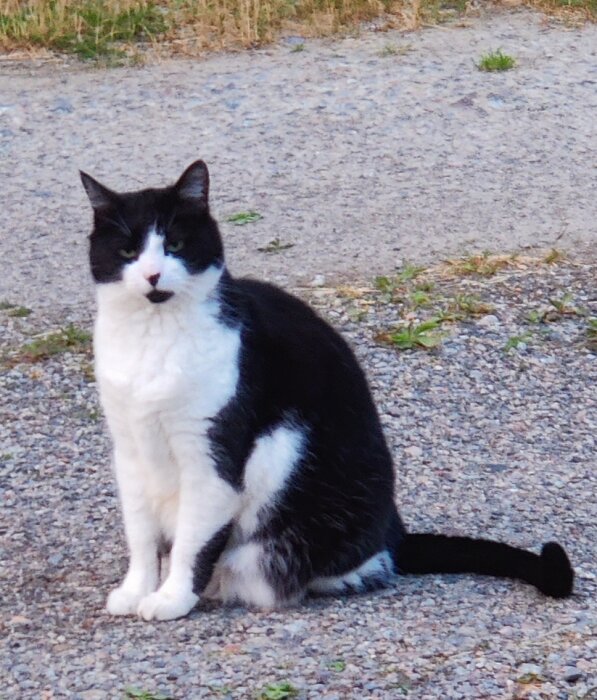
(265, 574)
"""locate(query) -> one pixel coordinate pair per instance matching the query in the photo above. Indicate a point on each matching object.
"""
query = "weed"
(468, 305)
(69, 339)
(563, 307)
(6, 306)
(418, 298)
(496, 61)
(20, 312)
(275, 246)
(591, 334)
(244, 217)
(516, 341)
(480, 265)
(6, 456)
(91, 29)
(389, 50)
(297, 48)
(554, 256)
(409, 272)
(414, 335)
(338, 665)
(145, 695)
(278, 691)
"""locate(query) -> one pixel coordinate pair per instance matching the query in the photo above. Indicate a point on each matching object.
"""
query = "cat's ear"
(99, 196)
(193, 184)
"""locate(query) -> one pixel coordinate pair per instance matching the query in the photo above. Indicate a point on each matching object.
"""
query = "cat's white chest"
(179, 360)
(162, 378)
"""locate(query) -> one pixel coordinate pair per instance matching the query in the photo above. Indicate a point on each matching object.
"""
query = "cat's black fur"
(338, 508)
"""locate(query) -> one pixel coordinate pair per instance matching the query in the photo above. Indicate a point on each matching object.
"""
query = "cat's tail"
(550, 571)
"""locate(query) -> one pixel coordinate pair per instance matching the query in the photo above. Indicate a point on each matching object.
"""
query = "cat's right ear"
(99, 196)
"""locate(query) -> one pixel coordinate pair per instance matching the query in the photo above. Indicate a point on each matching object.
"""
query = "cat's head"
(155, 244)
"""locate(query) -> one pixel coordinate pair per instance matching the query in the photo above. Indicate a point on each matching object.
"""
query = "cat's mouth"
(157, 296)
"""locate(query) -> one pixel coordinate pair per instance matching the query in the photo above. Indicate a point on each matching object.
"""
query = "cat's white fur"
(164, 370)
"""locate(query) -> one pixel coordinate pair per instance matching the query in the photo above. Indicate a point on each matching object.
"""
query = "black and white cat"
(246, 441)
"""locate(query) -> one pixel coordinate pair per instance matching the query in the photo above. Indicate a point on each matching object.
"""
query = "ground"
(363, 159)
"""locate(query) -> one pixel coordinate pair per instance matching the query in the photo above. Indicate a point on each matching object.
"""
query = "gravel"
(487, 441)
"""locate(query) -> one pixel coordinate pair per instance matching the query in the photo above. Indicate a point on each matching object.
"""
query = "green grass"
(111, 30)
(69, 339)
(20, 312)
(91, 29)
(516, 341)
(591, 334)
(244, 217)
(338, 665)
(495, 61)
(135, 694)
(278, 691)
(297, 48)
(414, 336)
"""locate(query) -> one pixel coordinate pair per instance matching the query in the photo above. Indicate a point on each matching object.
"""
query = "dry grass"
(117, 28)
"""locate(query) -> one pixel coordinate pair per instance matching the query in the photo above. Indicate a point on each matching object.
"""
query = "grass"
(414, 336)
(516, 341)
(278, 691)
(480, 264)
(136, 694)
(69, 339)
(90, 29)
(591, 334)
(114, 30)
(244, 217)
(495, 61)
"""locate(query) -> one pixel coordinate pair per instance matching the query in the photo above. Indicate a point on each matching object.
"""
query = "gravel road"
(362, 161)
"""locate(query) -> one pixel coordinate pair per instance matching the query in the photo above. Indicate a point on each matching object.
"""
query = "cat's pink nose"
(153, 279)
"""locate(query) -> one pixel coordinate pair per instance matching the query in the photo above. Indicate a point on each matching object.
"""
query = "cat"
(246, 444)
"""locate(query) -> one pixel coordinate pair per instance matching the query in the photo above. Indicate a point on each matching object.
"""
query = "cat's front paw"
(123, 601)
(166, 606)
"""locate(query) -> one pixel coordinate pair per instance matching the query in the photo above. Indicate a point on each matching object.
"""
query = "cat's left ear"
(193, 184)
(99, 196)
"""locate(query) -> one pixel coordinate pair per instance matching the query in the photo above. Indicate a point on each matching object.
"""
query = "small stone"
(489, 321)
(413, 451)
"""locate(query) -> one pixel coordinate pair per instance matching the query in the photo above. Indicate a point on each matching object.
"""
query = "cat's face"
(158, 243)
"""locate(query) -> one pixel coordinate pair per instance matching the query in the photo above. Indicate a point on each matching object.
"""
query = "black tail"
(550, 572)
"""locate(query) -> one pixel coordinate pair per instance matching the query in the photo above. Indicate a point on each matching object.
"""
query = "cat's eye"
(127, 254)
(174, 247)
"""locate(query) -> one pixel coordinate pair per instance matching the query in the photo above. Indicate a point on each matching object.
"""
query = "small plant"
(516, 341)
(389, 50)
(278, 691)
(563, 306)
(409, 272)
(297, 48)
(554, 256)
(468, 305)
(496, 61)
(338, 665)
(6, 306)
(244, 217)
(20, 312)
(419, 298)
(275, 246)
(136, 694)
(591, 332)
(69, 339)
(480, 265)
(414, 336)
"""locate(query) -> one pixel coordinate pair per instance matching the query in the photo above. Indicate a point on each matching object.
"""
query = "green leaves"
(244, 217)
